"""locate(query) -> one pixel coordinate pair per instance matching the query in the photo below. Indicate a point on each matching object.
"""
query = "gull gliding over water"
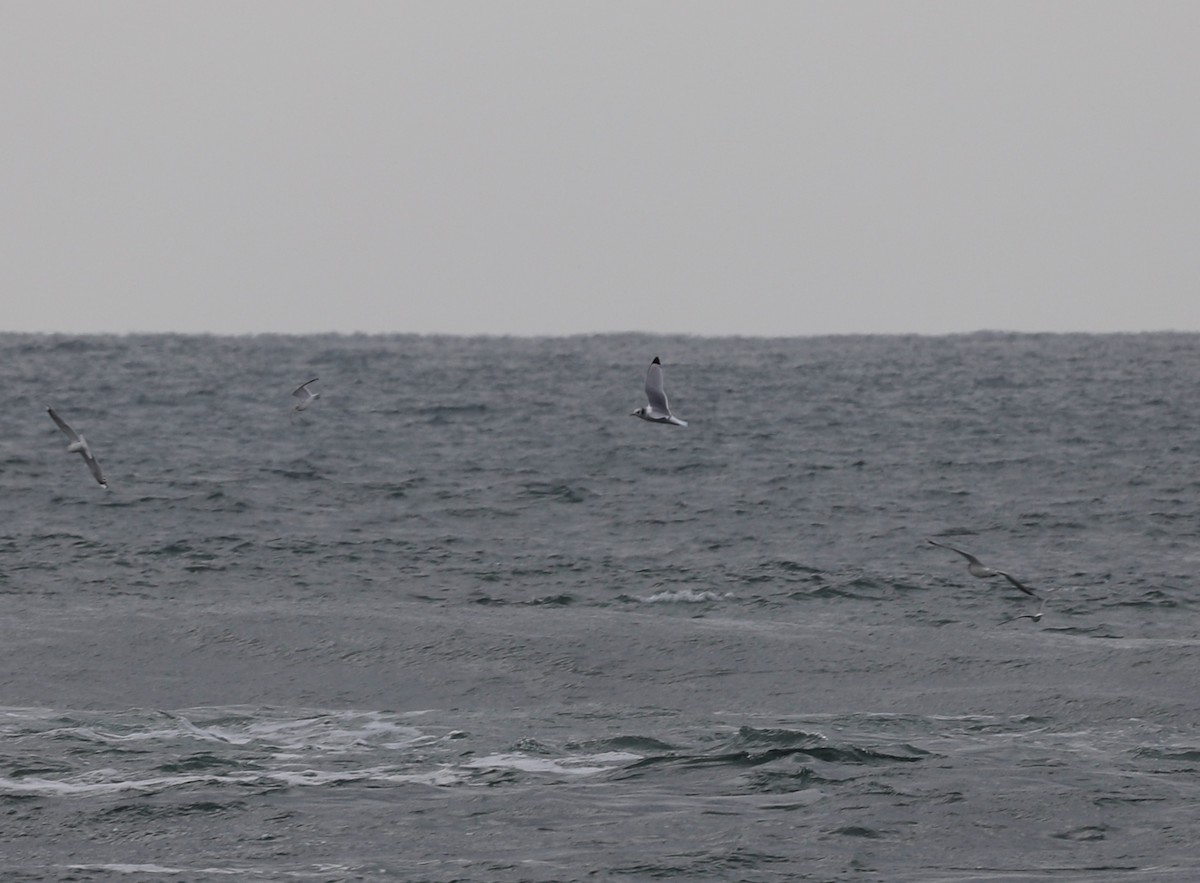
(305, 395)
(656, 410)
(975, 567)
(79, 446)
(1036, 617)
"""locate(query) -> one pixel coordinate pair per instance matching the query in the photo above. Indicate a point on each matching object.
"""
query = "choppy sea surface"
(464, 619)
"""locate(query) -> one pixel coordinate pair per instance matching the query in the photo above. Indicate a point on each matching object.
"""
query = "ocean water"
(464, 619)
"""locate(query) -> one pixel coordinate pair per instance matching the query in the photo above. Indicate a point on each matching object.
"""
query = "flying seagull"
(305, 395)
(975, 567)
(657, 410)
(79, 446)
(1036, 617)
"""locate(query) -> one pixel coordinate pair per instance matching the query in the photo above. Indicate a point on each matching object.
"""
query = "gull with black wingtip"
(305, 395)
(79, 445)
(1036, 617)
(975, 567)
(656, 410)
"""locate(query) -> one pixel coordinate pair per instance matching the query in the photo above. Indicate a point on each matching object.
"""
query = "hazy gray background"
(545, 168)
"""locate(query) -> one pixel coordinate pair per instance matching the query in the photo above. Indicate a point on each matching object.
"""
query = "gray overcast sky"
(552, 168)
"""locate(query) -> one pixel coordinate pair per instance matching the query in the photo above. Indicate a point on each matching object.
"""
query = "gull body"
(656, 409)
(305, 395)
(78, 445)
(975, 567)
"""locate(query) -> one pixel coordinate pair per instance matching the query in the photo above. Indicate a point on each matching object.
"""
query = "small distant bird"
(1036, 617)
(79, 446)
(657, 410)
(975, 567)
(305, 395)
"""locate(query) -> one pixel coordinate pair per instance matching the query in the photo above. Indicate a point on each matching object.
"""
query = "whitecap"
(122, 868)
(586, 765)
(682, 596)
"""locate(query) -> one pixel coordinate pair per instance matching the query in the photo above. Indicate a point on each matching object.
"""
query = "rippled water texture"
(466, 619)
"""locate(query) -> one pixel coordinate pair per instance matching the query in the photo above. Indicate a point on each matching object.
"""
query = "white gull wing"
(1020, 585)
(62, 424)
(301, 391)
(655, 394)
(94, 466)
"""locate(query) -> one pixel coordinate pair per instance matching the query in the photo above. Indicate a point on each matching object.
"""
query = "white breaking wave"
(683, 596)
(585, 765)
(221, 747)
